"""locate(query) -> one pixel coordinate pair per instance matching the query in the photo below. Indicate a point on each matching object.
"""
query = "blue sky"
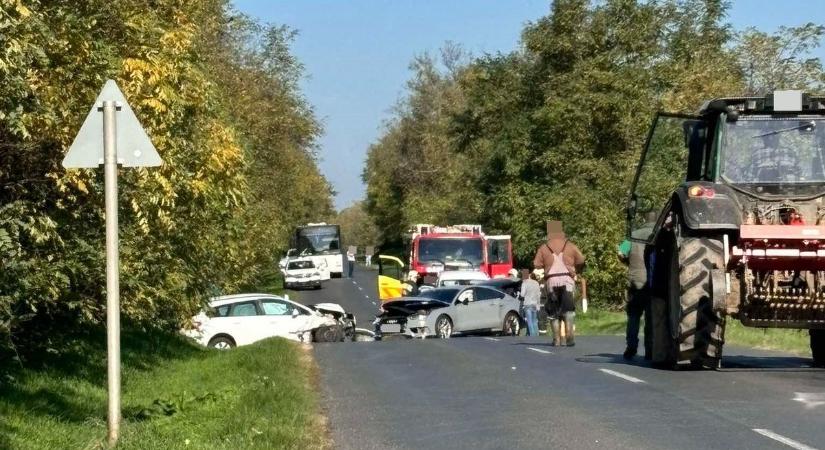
(356, 55)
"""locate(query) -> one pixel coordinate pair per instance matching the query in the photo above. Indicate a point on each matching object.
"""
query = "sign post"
(111, 126)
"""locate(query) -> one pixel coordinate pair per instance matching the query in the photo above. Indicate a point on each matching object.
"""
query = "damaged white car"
(233, 320)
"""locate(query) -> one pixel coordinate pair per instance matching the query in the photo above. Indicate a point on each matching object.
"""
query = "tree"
(237, 175)
(781, 60)
(357, 227)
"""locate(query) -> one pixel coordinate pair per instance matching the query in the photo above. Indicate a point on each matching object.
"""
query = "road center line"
(779, 438)
(360, 288)
(622, 376)
(373, 302)
(539, 350)
(492, 339)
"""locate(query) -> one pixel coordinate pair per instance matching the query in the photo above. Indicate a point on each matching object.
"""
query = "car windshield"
(295, 265)
(764, 150)
(451, 249)
(441, 294)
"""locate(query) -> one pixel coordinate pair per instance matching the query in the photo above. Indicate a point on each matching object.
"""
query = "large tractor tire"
(694, 332)
(818, 347)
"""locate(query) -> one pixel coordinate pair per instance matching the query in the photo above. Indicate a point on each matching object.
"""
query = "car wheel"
(443, 327)
(511, 325)
(221, 343)
(329, 333)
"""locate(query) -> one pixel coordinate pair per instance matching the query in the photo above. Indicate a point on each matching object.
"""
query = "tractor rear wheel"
(696, 330)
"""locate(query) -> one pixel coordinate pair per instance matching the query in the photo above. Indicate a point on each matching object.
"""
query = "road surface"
(521, 393)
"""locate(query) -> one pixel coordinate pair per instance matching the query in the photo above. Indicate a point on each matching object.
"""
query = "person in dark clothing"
(638, 293)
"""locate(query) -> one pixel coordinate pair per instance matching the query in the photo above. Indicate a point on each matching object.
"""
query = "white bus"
(320, 242)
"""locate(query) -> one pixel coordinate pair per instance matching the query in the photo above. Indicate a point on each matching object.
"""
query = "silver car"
(446, 311)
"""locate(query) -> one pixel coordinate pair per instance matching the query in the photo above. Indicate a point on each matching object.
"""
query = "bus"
(320, 242)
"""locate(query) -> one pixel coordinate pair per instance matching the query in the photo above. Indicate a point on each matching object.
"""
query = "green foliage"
(267, 402)
(219, 97)
(780, 60)
(357, 227)
(554, 130)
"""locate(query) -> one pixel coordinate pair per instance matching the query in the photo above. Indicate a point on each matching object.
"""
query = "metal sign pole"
(112, 269)
(119, 124)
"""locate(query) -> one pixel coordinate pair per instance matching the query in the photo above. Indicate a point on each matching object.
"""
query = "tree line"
(218, 94)
(553, 130)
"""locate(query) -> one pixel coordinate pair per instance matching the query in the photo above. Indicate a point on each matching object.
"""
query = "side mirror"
(295, 313)
(465, 302)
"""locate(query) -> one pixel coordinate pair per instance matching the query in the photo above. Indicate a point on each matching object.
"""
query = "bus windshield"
(319, 240)
(446, 250)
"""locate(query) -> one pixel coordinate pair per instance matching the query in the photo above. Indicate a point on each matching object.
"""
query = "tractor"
(729, 206)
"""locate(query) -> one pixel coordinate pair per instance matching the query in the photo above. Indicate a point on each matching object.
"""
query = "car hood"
(412, 305)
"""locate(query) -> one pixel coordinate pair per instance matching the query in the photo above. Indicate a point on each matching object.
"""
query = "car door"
(241, 322)
(280, 319)
(489, 306)
(390, 274)
(472, 316)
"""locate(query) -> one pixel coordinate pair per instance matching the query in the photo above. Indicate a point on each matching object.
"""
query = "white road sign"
(134, 149)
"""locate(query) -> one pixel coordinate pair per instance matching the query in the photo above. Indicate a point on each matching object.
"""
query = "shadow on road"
(734, 363)
(536, 344)
(748, 363)
(614, 358)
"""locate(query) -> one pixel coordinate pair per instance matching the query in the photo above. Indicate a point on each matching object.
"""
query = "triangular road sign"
(134, 149)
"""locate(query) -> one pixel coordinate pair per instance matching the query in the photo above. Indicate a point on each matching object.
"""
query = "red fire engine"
(458, 247)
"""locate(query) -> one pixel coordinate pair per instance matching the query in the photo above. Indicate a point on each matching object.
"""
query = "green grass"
(175, 395)
(794, 341)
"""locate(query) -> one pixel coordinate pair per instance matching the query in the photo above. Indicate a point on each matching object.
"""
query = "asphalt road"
(522, 393)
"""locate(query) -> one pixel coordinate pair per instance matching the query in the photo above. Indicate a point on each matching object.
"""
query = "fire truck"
(434, 249)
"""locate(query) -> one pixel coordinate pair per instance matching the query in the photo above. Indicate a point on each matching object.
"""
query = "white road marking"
(360, 288)
(810, 399)
(539, 350)
(492, 339)
(622, 376)
(373, 302)
(779, 438)
(366, 296)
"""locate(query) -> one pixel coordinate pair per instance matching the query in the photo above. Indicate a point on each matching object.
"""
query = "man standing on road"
(638, 292)
(559, 260)
(350, 260)
(530, 294)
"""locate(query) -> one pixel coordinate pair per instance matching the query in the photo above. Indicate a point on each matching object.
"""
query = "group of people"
(557, 264)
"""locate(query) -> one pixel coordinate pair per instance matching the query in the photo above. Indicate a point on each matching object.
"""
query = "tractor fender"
(721, 211)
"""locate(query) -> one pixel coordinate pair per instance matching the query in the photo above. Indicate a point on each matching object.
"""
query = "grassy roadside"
(175, 395)
(793, 341)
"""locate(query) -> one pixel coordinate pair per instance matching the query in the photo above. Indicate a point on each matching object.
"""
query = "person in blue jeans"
(350, 262)
(530, 293)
